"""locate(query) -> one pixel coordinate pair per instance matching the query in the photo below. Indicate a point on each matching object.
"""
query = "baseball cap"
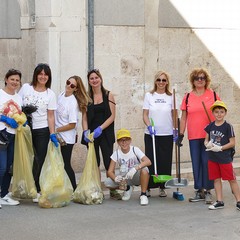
(218, 103)
(121, 133)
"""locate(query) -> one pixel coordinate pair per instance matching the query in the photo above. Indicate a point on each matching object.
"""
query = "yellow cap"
(121, 133)
(218, 104)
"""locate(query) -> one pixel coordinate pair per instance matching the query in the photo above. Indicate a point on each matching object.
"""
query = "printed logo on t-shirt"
(159, 100)
(216, 137)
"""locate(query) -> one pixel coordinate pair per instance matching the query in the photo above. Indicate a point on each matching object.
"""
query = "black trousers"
(67, 154)
(106, 150)
(40, 139)
(164, 149)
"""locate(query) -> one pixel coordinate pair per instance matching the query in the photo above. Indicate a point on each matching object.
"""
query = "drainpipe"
(90, 34)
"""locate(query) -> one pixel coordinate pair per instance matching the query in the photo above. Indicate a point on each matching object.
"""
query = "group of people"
(57, 119)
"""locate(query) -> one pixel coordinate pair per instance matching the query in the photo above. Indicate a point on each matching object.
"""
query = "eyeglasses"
(71, 84)
(161, 80)
(200, 78)
(124, 139)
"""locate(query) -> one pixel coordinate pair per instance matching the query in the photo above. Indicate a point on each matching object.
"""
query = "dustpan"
(157, 178)
(177, 182)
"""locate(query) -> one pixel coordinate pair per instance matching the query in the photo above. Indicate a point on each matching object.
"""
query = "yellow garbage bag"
(89, 189)
(23, 185)
(55, 185)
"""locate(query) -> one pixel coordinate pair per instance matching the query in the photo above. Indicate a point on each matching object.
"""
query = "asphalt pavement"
(164, 218)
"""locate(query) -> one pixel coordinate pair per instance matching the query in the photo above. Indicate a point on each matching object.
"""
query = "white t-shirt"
(130, 159)
(9, 104)
(43, 100)
(160, 110)
(67, 112)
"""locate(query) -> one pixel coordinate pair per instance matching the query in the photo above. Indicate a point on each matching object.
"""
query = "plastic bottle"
(123, 171)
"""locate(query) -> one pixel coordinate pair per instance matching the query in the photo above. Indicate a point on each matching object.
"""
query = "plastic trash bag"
(23, 185)
(55, 185)
(89, 189)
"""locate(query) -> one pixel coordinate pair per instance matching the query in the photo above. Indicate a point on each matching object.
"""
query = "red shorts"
(220, 170)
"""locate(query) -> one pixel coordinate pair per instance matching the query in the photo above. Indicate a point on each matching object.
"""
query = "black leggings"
(66, 154)
(164, 148)
(40, 139)
(106, 150)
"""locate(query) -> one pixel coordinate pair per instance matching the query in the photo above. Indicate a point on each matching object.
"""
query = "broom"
(177, 195)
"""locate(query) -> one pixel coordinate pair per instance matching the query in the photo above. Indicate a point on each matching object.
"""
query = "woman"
(158, 105)
(70, 102)
(39, 94)
(10, 103)
(99, 118)
(196, 119)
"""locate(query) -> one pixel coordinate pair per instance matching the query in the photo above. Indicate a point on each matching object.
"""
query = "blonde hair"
(157, 76)
(81, 94)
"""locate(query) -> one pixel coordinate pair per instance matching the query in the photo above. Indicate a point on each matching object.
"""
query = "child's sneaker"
(143, 200)
(238, 206)
(199, 196)
(114, 194)
(127, 194)
(216, 205)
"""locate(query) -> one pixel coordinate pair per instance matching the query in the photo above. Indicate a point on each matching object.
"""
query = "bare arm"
(111, 170)
(51, 121)
(113, 112)
(146, 119)
(67, 127)
(145, 162)
(84, 121)
(183, 122)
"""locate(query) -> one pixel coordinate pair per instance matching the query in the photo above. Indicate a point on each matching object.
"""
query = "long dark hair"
(37, 70)
(90, 91)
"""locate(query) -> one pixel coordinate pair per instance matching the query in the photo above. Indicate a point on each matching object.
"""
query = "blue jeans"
(6, 160)
(200, 165)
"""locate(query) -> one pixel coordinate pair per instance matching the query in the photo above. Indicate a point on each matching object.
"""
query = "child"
(219, 141)
(136, 163)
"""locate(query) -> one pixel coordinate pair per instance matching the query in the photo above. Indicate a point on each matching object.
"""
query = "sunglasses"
(71, 84)
(200, 78)
(93, 70)
(42, 64)
(12, 70)
(161, 80)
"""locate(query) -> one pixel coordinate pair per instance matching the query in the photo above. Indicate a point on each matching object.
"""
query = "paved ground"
(163, 218)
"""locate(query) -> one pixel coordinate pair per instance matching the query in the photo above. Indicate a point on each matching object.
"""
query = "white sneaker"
(7, 200)
(143, 200)
(127, 194)
(0, 206)
(35, 200)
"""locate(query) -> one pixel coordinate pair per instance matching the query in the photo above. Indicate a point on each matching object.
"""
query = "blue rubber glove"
(9, 121)
(97, 132)
(85, 136)
(151, 130)
(175, 135)
(53, 138)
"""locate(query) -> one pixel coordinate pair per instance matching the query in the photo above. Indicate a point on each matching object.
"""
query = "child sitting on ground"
(134, 161)
(219, 142)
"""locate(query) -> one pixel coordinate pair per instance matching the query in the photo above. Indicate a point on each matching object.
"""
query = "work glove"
(97, 132)
(9, 121)
(131, 173)
(53, 138)
(215, 148)
(151, 130)
(208, 145)
(118, 179)
(179, 140)
(175, 135)
(85, 136)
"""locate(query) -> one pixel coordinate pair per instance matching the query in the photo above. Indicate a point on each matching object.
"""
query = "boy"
(136, 163)
(219, 141)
